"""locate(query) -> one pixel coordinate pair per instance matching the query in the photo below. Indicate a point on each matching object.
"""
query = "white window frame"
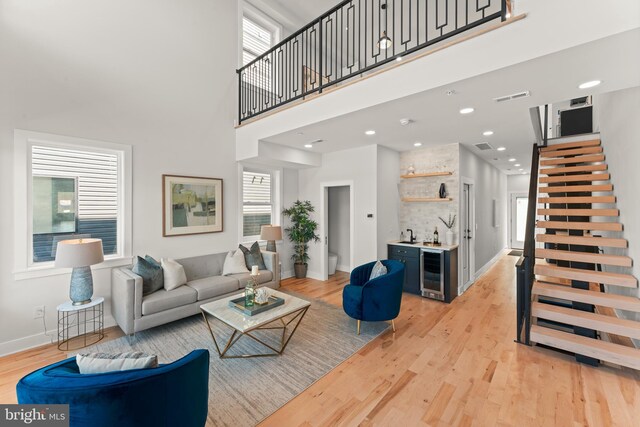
(24, 267)
(276, 199)
(261, 19)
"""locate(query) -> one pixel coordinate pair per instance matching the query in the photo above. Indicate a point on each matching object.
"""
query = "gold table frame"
(284, 339)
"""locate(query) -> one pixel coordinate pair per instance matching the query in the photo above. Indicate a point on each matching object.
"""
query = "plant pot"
(300, 270)
(450, 238)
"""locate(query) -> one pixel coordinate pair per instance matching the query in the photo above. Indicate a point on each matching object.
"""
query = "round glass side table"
(80, 325)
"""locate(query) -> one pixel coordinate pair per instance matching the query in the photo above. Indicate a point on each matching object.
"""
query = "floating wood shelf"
(426, 199)
(426, 174)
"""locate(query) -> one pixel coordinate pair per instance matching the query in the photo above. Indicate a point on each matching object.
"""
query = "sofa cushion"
(264, 277)
(203, 266)
(233, 263)
(211, 287)
(151, 272)
(99, 363)
(253, 256)
(164, 300)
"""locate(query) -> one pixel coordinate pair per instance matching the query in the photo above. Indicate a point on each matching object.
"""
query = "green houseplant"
(301, 231)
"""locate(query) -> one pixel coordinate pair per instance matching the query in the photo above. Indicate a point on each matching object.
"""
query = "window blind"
(256, 40)
(256, 201)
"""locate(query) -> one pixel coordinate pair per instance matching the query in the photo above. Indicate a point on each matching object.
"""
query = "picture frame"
(191, 205)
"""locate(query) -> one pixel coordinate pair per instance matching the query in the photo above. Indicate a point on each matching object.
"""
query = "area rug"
(515, 252)
(242, 392)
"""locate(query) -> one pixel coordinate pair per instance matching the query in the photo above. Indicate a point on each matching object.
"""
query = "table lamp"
(271, 233)
(80, 254)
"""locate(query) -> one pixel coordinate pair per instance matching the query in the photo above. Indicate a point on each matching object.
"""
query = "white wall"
(518, 183)
(490, 183)
(620, 133)
(358, 166)
(388, 198)
(339, 219)
(289, 195)
(151, 74)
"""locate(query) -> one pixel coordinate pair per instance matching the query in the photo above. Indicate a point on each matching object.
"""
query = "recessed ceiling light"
(308, 145)
(501, 148)
(517, 165)
(399, 58)
(524, 173)
(370, 132)
(487, 133)
(417, 144)
(512, 159)
(508, 15)
(587, 85)
(406, 121)
(466, 110)
(520, 169)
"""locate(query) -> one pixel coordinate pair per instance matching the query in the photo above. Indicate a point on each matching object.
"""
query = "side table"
(80, 325)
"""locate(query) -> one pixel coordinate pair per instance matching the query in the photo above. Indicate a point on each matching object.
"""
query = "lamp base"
(271, 246)
(81, 289)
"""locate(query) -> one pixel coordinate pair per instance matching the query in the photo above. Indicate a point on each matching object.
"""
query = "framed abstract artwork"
(191, 205)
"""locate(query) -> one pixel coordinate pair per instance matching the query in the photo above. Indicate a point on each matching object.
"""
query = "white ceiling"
(436, 117)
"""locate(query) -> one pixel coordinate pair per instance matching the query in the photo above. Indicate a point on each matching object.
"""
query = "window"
(256, 40)
(69, 188)
(257, 202)
(259, 34)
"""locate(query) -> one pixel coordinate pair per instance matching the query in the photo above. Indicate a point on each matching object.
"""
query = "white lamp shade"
(79, 253)
(271, 232)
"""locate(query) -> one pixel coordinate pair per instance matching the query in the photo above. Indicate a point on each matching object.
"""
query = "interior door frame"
(512, 196)
(324, 224)
(472, 242)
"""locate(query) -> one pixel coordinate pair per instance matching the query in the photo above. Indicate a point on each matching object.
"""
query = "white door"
(519, 204)
(467, 233)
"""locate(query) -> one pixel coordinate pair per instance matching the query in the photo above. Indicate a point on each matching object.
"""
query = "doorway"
(337, 226)
(467, 230)
(518, 218)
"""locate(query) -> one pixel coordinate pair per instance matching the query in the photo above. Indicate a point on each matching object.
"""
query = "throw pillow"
(174, 275)
(151, 273)
(253, 256)
(378, 270)
(98, 363)
(234, 263)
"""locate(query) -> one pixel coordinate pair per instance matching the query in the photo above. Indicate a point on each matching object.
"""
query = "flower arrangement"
(450, 223)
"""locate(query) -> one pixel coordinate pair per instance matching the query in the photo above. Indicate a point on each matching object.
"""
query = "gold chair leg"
(393, 325)
(358, 327)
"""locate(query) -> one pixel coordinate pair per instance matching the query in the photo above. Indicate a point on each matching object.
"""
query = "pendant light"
(385, 42)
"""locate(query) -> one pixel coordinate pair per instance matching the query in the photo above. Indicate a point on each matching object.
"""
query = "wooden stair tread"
(579, 212)
(573, 169)
(602, 350)
(586, 319)
(586, 257)
(575, 178)
(566, 145)
(571, 152)
(576, 188)
(582, 240)
(589, 226)
(577, 199)
(568, 293)
(573, 160)
(616, 279)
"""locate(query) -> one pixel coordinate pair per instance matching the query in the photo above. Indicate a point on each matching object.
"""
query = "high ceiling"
(435, 113)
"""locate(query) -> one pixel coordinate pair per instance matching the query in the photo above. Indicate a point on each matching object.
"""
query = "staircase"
(569, 307)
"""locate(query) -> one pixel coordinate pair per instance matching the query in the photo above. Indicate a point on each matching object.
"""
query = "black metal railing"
(525, 274)
(351, 39)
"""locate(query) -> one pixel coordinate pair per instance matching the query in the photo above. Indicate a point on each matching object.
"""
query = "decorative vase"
(443, 191)
(411, 170)
(300, 270)
(450, 237)
(249, 294)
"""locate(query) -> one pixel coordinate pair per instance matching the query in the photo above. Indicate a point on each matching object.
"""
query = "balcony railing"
(351, 39)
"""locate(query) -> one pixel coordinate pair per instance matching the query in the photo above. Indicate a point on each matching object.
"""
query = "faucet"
(412, 238)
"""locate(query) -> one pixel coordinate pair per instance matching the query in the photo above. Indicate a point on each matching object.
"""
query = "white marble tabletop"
(68, 306)
(220, 309)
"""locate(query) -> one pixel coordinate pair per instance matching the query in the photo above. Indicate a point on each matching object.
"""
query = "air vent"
(484, 146)
(512, 96)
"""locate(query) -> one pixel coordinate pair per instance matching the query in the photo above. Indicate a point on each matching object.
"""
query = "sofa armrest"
(272, 261)
(126, 298)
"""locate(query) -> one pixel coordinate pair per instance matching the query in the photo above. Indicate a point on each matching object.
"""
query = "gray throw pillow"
(253, 256)
(378, 270)
(151, 272)
(99, 363)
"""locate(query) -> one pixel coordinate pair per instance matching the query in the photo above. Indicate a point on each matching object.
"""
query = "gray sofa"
(134, 312)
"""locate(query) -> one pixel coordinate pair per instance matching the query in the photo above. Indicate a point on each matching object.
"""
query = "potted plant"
(450, 235)
(301, 232)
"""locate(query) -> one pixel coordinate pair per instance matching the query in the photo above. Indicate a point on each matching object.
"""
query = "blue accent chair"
(175, 394)
(374, 300)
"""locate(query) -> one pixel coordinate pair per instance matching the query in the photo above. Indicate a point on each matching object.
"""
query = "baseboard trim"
(39, 340)
(343, 267)
(286, 274)
(482, 271)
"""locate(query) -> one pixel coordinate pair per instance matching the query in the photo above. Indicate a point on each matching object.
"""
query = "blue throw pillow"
(378, 270)
(151, 272)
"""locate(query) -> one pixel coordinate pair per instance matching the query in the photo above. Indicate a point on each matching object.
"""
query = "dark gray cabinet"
(410, 257)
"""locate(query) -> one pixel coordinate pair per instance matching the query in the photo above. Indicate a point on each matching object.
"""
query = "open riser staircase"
(570, 306)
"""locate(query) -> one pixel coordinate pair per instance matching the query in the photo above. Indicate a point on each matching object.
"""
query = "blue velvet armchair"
(374, 300)
(175, 394)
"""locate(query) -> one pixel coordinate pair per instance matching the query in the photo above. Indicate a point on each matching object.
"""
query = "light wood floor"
(447, 365)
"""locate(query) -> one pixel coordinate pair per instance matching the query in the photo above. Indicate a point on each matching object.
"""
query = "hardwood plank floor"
(447, 365)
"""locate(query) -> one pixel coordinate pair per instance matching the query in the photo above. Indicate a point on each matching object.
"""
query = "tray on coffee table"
(272, 302)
